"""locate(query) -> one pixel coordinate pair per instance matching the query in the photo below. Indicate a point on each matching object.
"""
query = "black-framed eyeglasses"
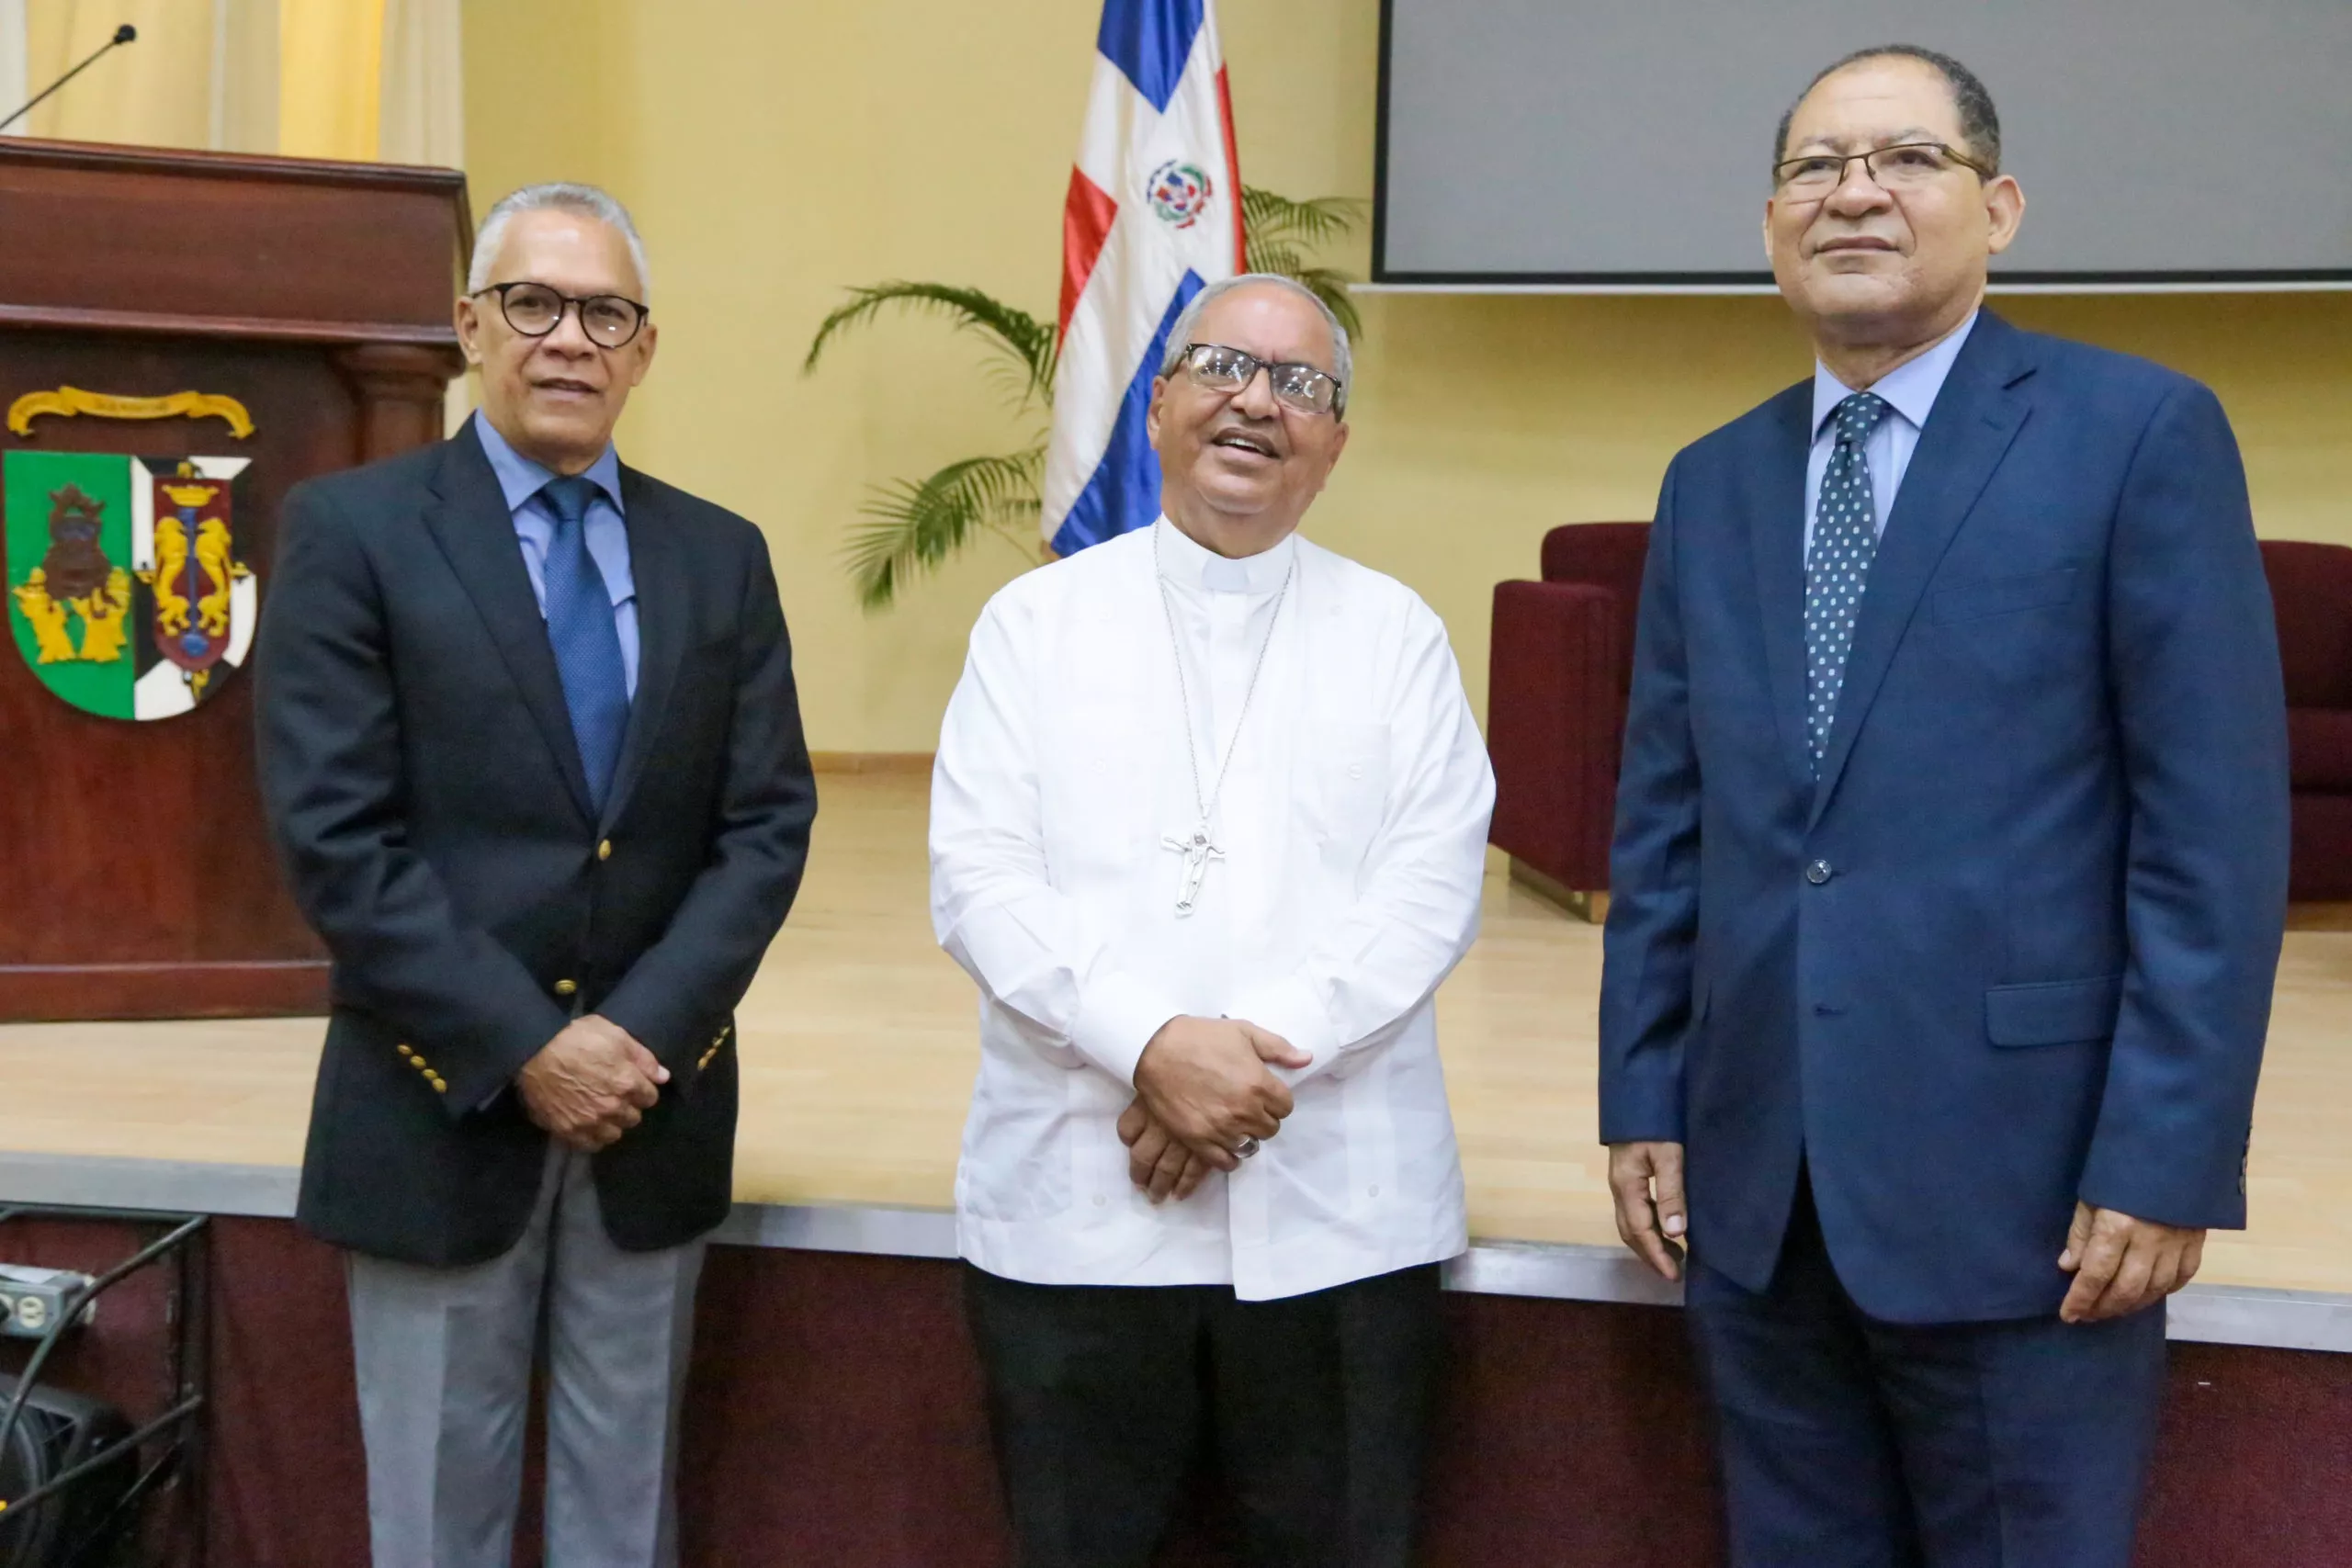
(1904, 165)
(1230, 371)
(611, 320)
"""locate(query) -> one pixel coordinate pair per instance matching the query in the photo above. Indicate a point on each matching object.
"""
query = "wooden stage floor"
(858, 1049)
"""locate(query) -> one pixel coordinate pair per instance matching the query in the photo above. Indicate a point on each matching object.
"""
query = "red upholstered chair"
(1562, 660)
(2311, 584)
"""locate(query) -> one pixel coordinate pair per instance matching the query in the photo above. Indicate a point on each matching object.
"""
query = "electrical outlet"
(31, 1300)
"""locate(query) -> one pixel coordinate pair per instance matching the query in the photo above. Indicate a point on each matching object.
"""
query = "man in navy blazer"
(532, 752)
(1948, 878)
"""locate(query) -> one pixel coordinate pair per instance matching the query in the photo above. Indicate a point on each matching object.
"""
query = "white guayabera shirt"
(1352, 823)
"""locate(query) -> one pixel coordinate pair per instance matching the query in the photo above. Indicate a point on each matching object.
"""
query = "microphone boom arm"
(124, 34)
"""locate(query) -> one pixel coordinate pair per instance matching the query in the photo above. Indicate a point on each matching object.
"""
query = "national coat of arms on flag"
(1153, 218)
(125, 592)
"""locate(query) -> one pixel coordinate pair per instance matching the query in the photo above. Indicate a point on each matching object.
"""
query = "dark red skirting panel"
(834, 1422)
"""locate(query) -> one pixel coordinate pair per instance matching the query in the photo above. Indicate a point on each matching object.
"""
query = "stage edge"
(2222, 1314)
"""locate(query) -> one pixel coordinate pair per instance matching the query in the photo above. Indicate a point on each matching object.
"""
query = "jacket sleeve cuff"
(2201, 1188)
(1116, 1018)
(1642, 1112)
(507, 1047)
(663, 1031)
(1290, 1008)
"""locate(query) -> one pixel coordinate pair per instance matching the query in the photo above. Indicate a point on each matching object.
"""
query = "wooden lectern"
(183, 336)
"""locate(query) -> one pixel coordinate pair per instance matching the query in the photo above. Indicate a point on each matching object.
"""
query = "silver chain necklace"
(1199, 848)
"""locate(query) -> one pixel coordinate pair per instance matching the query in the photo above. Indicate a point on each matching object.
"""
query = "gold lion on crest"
(170, 572)
(48, 618)
(75, 576)
(213, 546)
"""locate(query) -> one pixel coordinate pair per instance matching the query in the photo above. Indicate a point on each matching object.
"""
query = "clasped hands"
(2120, 1264)
(1201, 1092)
(590, 1083)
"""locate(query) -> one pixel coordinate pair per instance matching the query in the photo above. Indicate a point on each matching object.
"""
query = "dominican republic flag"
(1154, 216)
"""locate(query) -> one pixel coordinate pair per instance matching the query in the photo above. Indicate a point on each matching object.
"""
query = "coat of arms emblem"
(1179, 193)
(124, 588)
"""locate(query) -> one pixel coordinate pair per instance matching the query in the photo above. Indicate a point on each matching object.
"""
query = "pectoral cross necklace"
(1197, 847)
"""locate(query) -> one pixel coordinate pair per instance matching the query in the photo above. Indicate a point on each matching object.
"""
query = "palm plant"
(912, 526)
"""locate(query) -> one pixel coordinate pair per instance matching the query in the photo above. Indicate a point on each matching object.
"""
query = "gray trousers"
(444, 1357)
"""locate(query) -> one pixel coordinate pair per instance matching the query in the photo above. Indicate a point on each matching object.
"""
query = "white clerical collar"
(1192, 565)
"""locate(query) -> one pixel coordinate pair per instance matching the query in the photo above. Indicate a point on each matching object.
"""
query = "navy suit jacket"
(421, 776)
(2016, 945)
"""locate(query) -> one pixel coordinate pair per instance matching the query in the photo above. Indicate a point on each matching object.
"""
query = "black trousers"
(1314, 1412)
(1849, 1442)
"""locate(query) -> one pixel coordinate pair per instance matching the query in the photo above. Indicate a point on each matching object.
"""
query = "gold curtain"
(157, 91)
(422, 116)
(358, 79)
(330, 77)
(245, 55)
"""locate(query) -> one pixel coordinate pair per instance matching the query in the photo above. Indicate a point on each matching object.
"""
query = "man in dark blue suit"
(1948, 878)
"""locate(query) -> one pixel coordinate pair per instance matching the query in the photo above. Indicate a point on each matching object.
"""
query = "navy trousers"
(1851, 1443)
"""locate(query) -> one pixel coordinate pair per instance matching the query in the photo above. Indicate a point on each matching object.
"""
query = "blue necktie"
(1837, 566)
(586, 641)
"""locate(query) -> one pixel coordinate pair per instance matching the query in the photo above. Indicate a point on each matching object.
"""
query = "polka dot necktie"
(585, 638)
(1838, 567)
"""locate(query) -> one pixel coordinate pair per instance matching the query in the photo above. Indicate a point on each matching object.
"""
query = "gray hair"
(556, 195)
(1344, 368)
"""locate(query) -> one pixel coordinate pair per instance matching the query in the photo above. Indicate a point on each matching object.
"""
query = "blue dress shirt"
(519, 478)
(1910, 392)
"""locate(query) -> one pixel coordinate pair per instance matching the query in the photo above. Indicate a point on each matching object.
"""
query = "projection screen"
(1576, 145)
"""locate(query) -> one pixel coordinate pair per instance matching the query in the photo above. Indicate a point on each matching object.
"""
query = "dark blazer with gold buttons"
(419, 770)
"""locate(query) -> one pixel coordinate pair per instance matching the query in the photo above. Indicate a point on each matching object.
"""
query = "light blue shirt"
(520, 480)
(1910, 392)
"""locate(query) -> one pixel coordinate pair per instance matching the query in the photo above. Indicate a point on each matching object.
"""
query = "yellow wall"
(774, 153)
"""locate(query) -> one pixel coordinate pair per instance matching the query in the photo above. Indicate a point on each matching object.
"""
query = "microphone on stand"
(122, 35)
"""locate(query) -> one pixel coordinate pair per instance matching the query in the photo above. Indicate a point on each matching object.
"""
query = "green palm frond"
(1269, 219)
(910, 527)
(1024, 343)
(915, 525)
(1276, 257)
(1279, 232)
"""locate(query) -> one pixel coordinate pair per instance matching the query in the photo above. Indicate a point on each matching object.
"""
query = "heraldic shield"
(124, 588)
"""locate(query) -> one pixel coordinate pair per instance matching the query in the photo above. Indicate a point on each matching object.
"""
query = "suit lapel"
(469, 521)
(1976, 415)
(1776, 538)
(662, 610)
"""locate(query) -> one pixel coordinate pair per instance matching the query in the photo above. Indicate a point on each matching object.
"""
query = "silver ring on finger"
(1245, 1148)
